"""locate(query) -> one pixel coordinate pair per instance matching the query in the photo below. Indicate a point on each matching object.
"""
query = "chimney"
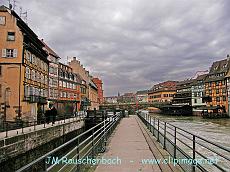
(228, 58)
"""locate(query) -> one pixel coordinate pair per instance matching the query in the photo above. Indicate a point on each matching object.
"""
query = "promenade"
(132, 144)
(26, 130)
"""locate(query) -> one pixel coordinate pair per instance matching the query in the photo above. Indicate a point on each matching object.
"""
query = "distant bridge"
(132, 105)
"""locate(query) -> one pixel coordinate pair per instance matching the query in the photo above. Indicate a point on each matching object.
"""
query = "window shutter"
(15, 53)
(3, 52)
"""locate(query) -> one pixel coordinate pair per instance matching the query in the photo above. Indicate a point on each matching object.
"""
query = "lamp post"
(7, 90)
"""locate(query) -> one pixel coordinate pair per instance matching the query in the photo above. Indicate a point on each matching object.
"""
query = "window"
(217, 99)
(27, 72)
(217, 91)
(195, 100)
(60, 83)
(2, 20)
(9, 53)
(224, 98)
(11, 36)
(33, 75)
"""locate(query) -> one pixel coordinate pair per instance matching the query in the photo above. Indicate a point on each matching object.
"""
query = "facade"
(99, 85)
(78, 68)
(53, 74)
(216, 86)
(70, 85)
(93, 96)
(198, 91)
(183, 94)
(24, 69)
(162, 92)
(142, 96)
(112, 99)
(127, 98)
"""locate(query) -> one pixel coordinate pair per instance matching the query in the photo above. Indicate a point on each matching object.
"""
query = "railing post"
(151, 127)
(93, 152)
(34, 125)
(154, 126)
(158, 129)
(22, 127)
(78, 154)
(194, 152)
(44, 124)
(45, 165)
(164, 136)
(174, 155)
(6, 129)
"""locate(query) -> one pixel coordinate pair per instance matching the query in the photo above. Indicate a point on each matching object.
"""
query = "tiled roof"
(142, 92)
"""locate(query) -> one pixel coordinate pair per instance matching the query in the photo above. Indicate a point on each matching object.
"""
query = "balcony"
(35, 99)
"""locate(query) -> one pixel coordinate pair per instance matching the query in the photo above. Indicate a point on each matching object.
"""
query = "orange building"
(24, 69)
(99, 84)
(162, 92)
(216, 86)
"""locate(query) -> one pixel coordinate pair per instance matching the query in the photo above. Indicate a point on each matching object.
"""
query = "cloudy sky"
(132, 44)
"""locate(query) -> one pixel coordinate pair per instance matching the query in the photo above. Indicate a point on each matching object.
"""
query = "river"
(214, 130)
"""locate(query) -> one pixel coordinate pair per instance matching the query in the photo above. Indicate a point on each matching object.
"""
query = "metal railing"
(86, 144)
(21, 125)
(191, 152)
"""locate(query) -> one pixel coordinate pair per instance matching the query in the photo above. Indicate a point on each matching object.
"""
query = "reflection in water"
(215, 130)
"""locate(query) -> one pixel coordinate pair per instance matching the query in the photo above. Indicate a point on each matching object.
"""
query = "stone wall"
(14, 146)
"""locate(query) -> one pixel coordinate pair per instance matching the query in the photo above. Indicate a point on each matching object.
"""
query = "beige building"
(90, 101)
(93, 96)
(23, 69)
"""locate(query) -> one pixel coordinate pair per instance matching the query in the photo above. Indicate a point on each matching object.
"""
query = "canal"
(214, 130)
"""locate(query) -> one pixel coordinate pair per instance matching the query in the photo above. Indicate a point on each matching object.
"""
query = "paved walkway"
(12, 133)
(130, 146)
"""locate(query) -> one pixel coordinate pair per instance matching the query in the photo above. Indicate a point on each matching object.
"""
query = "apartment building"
(162, 92)
(24, 69)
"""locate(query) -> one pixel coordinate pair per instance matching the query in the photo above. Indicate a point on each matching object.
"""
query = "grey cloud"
(133, 44)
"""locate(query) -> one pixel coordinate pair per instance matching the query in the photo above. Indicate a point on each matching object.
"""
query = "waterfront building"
(142, 96)
(53, 75)
(127, 98)
(70, 90)
(162, 92)
(23, 69)
(93, 96)
(78, 68)
(99, 85)
(216, 87)
(198, 91)
(111, 99)
(183, 94)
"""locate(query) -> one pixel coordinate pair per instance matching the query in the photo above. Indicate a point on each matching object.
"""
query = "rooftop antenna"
(10, 5)
(14, 4)
(23, 15)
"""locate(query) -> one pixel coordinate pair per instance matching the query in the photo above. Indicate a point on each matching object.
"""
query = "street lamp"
(7, 90)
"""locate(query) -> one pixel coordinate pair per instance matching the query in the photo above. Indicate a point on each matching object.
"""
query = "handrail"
(103, 126)
(162, 125)
(21, 125)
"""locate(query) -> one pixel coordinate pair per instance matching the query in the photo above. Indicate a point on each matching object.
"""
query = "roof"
(219, 66)
(142, 92)
(91, 83)
(50, 51)
(218, 71)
